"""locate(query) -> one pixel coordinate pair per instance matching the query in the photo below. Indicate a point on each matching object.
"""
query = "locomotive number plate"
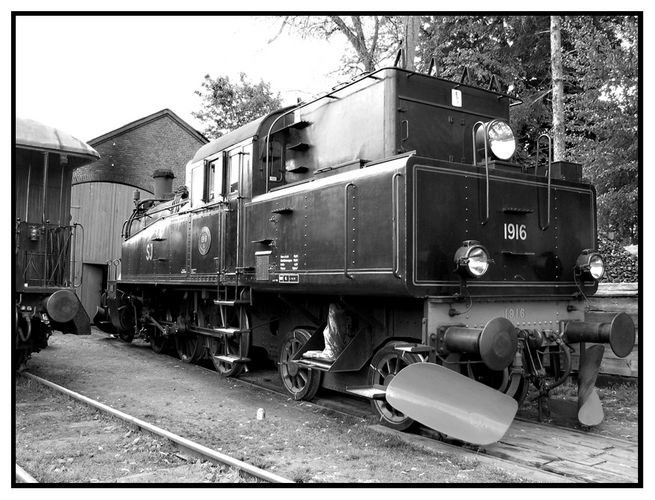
(515, 313)
(288, 278)
(512, 231)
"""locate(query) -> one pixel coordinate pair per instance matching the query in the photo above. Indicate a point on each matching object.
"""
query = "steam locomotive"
(44, 283)
(379, 241)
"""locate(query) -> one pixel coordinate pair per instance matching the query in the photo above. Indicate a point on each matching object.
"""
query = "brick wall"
(131, 156)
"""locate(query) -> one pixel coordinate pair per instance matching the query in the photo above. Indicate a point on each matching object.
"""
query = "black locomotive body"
(44, 283)
(378, 226)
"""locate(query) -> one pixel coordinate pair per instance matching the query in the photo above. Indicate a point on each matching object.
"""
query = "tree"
(558, 88)
(226, 105)
(372, 38)
(602, 114)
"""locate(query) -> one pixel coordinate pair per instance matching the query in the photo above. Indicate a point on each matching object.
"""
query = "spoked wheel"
(158, 343)
(189, 347)
(385, 365)
(300, 382)
(124, 315)
(237, 345)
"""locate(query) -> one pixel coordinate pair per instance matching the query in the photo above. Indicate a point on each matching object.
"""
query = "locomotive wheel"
(301, 383)
(385, 365)
(236, 344)
(126, 335)
(189, 347)
(158, 343)
(127, 323)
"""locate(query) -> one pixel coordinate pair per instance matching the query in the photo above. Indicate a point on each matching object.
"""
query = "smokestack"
(163, 184)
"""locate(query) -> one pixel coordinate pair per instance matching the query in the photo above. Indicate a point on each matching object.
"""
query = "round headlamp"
(590, 264)
(499, 138)
(472, 259)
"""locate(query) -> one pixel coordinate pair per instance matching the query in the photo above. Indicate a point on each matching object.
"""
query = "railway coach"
(44, 279)
(380, 241)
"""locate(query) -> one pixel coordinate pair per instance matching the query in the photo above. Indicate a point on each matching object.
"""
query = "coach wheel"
(189, 347)
(385, 365)
(236, 345)
(300, 382)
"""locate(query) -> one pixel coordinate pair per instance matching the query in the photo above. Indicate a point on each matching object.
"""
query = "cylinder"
(62, 306)
(163, 183)
(496, 343)
(619, 333)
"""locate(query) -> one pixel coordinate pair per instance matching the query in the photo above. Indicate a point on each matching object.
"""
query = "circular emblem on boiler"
(204, 240)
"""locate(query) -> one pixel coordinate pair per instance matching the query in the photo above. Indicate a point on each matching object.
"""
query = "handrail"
(486, 162)
(395, 206)
(345, 231)
(550, 146)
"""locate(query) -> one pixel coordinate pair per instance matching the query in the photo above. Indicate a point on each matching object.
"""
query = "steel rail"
(22, 476)
(195, 447)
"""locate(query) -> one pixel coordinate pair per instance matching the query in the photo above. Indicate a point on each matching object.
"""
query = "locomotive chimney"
(163, 184)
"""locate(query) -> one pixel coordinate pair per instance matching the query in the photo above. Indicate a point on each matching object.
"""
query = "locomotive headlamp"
(499, 137)
(590, 264)
(472, 259)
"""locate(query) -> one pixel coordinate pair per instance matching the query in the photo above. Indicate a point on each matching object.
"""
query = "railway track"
(194, 448)
(530, 451)
(561, 453)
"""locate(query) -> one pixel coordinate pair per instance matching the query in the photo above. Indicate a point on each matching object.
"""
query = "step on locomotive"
(380, 241)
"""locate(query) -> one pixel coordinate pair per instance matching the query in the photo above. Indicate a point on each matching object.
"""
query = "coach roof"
(35, 135)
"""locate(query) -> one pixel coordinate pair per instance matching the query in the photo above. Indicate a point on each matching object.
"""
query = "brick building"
(103, 191)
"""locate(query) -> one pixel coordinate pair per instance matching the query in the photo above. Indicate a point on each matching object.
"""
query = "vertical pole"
(62, 166)
(44, 200)
(27, 194)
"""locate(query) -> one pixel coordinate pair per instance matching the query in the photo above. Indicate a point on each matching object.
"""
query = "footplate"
(231, 359)
(368, 391)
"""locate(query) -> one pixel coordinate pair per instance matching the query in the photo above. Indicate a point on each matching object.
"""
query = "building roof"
(147, 119)
(131, 153)
(35, 135)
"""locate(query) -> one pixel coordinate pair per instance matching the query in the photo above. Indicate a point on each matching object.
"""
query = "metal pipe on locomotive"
(379, 227)
(44, 278)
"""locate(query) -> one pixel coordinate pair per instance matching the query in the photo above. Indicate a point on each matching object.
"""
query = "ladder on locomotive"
(232, 296)
(232, 301)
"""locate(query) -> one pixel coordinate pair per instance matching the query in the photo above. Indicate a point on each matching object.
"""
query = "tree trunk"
(410, 41)
(558, 88)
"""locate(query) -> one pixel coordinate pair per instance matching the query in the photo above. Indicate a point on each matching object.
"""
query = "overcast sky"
(90, 75)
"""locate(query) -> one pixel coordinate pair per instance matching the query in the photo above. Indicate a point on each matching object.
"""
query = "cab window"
(213, 186)
(233, 170)
(276, 170)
